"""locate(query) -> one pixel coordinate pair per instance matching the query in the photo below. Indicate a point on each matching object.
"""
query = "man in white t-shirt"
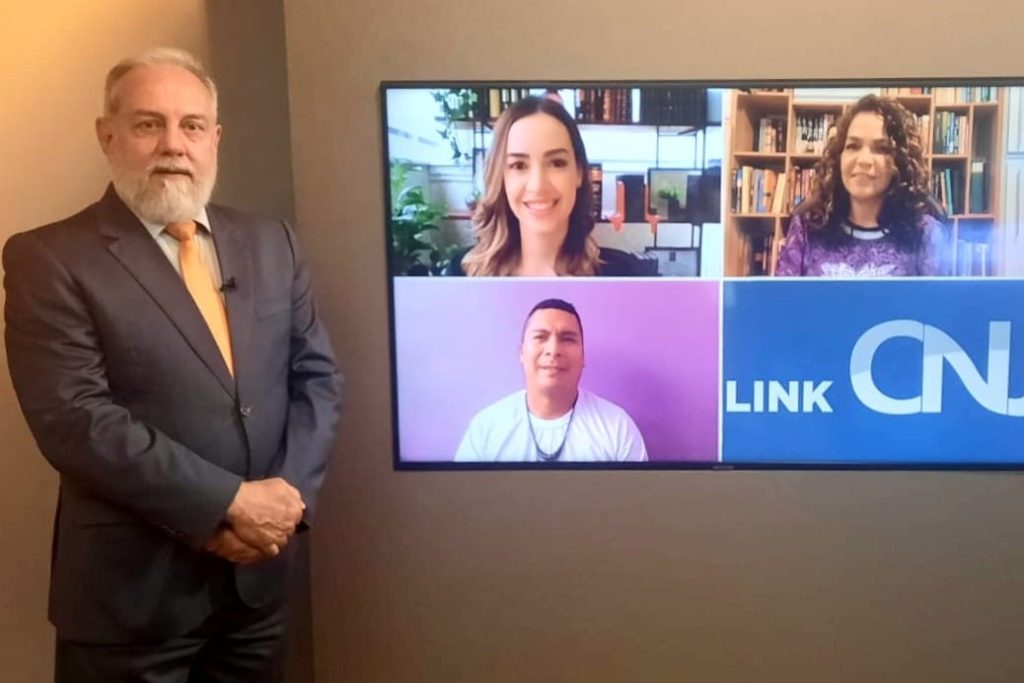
(552, 420)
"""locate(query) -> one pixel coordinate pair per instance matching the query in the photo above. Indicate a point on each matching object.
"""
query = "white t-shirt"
(599, 431)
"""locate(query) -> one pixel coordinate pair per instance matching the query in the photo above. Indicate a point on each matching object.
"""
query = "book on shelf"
(779, 197)
(500, 99)
(771, 134)
(737, 191)
(972, 258)
(666, 106)
(924, 129)
(979, 186)
(965, 94)
(746, 180)
(905, 90)
(813, 132)
(762, 253)
(801, 183)
(493, 103)
(604, 105)
(950, 133)
(768, 183)
(758, 190)
(674, 106)
(948, 188)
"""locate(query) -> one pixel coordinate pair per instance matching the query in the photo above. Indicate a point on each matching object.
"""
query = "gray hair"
(156, 56)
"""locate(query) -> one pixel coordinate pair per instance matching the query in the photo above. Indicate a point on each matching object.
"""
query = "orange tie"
(200, 285)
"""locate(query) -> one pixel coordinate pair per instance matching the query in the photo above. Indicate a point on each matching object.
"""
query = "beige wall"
(534, 576)
(53, 57)
(635, 576)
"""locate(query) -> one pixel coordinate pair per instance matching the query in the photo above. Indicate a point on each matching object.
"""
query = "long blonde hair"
(498, 243)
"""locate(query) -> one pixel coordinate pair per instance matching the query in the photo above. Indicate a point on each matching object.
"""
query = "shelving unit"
(667, 111)
(663, 112)
(658, 118)
(753, 238)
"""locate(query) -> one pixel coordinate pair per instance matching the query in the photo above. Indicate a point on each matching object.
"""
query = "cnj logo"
(992, 392)
(938, 349)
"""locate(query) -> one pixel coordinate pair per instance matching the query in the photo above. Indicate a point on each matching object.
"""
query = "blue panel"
(895, 371)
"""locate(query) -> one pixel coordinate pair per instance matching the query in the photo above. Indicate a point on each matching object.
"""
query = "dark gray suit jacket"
(130, 400)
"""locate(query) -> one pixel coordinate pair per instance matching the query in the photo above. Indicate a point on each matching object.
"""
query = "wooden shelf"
(819, 107)
(755, 157)
(918, 104)
(753, 240)
(779, 98)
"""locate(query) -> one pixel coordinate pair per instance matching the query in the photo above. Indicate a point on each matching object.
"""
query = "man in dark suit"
(172, 367)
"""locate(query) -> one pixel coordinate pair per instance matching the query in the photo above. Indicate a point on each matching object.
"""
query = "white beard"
(162, 199)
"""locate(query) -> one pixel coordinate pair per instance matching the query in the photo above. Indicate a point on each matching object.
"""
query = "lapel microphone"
(229, 285)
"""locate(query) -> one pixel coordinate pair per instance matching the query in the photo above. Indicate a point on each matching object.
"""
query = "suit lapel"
(140, 255)
(235, 266)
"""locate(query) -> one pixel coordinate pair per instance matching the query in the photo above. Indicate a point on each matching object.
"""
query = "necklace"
(544, 455)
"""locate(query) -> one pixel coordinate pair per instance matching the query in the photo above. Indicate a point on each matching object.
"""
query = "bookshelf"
(662, 114)
(628, 132)
(618, 105)
(962, 150)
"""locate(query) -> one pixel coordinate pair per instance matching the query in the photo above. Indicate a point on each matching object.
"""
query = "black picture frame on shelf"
(699, 203)
(672, 191)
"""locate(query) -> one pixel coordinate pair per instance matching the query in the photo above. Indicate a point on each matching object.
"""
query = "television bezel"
(724, 84)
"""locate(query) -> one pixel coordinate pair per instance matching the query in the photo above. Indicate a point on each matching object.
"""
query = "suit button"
(246, 411)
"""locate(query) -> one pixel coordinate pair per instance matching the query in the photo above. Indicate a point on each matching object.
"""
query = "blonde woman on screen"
(535, 218)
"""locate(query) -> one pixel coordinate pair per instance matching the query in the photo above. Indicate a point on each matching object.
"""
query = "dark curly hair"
(907, 199)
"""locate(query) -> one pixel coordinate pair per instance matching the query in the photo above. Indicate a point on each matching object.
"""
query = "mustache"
(170, 168)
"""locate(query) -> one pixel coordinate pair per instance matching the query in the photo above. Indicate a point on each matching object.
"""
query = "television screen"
(706, 275)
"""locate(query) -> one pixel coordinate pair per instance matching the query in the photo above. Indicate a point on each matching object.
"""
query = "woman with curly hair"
(870, 213)
(534, 218)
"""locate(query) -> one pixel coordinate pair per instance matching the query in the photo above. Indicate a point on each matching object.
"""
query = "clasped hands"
(259, 521)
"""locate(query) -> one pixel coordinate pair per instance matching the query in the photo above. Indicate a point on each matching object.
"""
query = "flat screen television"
(776, 274)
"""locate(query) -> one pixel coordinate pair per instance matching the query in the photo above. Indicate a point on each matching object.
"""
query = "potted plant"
(670, 196)
(415, 222)
(456, 105)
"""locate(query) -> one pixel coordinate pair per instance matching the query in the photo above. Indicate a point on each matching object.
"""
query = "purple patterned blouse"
(871, 253)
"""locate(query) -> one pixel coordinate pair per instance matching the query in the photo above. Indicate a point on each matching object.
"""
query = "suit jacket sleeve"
(314, 385)
(57, 364)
